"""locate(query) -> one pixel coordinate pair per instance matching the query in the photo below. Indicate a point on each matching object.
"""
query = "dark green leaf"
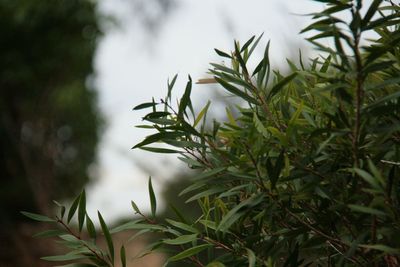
(145, 105)
(153, 201)
(73, 208)
(278, 86)
(222, 54)
(246, 45)
(170, 86)
(123, 256)
(234, 90)
(185, 100)
(107, 236)
(90, 227)
(82, 209)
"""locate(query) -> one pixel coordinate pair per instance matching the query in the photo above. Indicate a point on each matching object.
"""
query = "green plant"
(307, 173)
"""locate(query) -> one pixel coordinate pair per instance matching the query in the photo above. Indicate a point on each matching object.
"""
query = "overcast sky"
(133, 65)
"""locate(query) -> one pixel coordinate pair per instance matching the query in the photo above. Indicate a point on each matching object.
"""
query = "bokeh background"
(70, 73)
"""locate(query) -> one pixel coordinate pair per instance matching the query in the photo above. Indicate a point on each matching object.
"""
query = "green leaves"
(306, 166)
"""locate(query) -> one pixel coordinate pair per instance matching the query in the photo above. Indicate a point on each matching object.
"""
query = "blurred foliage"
(304, 172)
(49, 122)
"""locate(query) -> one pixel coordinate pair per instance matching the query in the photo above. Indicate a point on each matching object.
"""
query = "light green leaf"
(49, 233)
(66, 257)
(37, 217)
(135, 207)
(251, 257)
(189, 252)
(182, 226)
(183, 239)
(201, 114)
(259, 126)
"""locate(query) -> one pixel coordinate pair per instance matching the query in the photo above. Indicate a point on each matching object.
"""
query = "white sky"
(133, 67)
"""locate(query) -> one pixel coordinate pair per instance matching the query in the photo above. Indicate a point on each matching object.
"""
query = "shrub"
(307, 173)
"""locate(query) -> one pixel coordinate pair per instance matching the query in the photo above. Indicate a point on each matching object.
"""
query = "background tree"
(49, 122)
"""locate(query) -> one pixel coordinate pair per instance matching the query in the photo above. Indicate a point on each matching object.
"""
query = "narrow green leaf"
(259, 126)
(368, 178)
(73, 208)
(156, 115)
(145, 105)
(189, 252)
(170, 86)
(160, 150)
(49, 233)
(201, 114)
(234, 90)
(325, 66)
(246, 45)
(277, 87)
(251, 257)
(209, 173)
(123, 256)
(225, 69)
(136, 225)
(153, 202)
(82, 210)
(383, 248)
(183, 239)
(211, 191)
(66, 257)
(37, 217)
(191, 188)
(383, 100)
(90, 227)
(367, 210)
(222, 54)
(135, 207)
(107, 236)
(157, 137)
(185, 100)
(255, 45)
(234, 214)
(182, 226)
(230, 116)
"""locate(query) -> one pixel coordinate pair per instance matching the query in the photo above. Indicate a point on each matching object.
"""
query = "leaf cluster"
(307, 172)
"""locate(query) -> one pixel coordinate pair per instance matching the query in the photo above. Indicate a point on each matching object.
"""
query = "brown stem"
(79, 238)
